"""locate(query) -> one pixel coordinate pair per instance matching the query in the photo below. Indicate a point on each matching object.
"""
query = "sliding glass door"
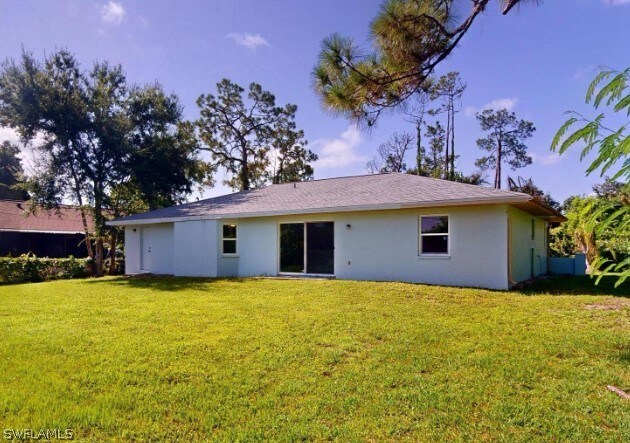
(320, 251)
(292, 247)
(307, 248)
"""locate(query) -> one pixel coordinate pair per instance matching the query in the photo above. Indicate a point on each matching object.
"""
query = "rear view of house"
(376, 227)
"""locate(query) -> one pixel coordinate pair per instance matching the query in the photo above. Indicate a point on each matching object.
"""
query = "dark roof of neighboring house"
(65, 219)
(343, 194)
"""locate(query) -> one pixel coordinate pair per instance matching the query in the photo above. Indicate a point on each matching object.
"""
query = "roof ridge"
(367, 174)
(62, 205)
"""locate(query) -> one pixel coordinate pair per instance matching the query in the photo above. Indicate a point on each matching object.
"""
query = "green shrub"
(120, 266)
(28, 268)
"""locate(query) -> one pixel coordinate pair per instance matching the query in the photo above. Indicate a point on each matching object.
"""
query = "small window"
(434, 234)
(229, 239)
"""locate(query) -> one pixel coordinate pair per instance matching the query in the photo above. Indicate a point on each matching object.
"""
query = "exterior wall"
(378, 245)
(384, 245)
(195, 253)
(227, 266)
(258, 246)
(522, 244)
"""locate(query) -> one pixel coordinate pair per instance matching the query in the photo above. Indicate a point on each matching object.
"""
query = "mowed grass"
(173, 359)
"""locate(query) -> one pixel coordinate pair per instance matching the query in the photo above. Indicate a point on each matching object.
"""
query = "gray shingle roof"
(365, 192)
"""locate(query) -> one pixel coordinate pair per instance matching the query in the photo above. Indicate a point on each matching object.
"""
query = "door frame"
(303, 223)
(142, 232)
(509, 250)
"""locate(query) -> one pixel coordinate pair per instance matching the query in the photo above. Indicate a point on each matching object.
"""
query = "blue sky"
(536, 61)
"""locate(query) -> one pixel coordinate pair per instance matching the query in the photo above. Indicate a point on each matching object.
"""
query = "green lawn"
(172, 359)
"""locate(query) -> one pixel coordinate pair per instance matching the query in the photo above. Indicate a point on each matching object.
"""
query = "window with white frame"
(228, 239)
(434, 235)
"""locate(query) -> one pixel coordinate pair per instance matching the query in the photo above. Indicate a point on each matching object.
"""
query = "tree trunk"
(99, 223)
(98, 259)
(86, 228)
(280, 172)
(244, 174)
(448, 138)
(113, 239)
(418, 147)
(497, 177)
(86, 231)
(452, 138)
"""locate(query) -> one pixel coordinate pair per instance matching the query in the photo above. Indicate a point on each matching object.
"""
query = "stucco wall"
(380, 245)
(195, 252)
(522, 244)
(383, 245)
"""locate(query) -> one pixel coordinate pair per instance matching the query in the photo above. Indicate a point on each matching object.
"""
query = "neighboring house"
(46, 233)
(374, 227)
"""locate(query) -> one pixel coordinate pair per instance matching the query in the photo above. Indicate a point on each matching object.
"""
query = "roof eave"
(327, 210)
(41, 231)
(540, 209)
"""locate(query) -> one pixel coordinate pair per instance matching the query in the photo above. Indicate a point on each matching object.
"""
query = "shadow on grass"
(164, 282)
(567, 285)
(553, 285)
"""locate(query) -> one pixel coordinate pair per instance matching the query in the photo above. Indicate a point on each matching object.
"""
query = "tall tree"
(434, 164)
(11, 172)
(448, 89)
(291, 159)
(240, 135)
(410, 39)
(611, 89)
(391, 155)
(504, 141)
(99, 133)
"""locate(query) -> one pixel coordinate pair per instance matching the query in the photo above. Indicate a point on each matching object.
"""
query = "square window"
(434, 235)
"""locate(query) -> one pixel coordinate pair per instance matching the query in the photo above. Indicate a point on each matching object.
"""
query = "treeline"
(116, 148)
(433, 113)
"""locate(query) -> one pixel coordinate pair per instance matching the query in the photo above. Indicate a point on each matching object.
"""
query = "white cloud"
(499, 103)
(546, 160)
(26, 152)
(617, 2)
(113, 13)
(339, 152)
(247, 40)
